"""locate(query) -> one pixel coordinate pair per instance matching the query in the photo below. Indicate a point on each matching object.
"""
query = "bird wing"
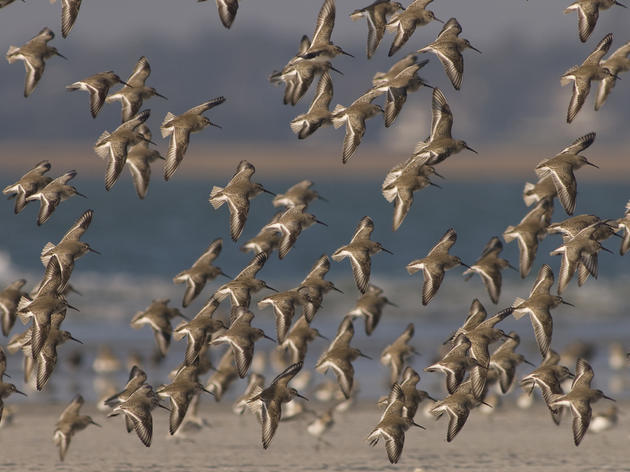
(140, 73)
(79, 227)
(176, 150)
(432, 280)
(227, 11)
(325, 24)
(442, 122)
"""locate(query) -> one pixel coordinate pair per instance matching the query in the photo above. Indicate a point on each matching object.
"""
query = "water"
(145, 243)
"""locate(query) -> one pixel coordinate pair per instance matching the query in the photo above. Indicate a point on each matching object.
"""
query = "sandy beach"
(508, 440)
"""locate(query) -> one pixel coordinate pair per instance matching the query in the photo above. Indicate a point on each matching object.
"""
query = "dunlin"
(51, 195)
(588, 13)
(623, 223)
(616, 63)
(298, 337)
(544, 189)
(396, 354)
(34, 54)
(158, 315)
(457, 406)
(225, 374)
(476, 314)
(298, 194)
(139, 159)
(321, 48)
(489, 267)
(255, 385)
(413, 395)
(199, 330)
(406, 22)
(9, 298)
(6, 390)
(70, 422)
(284, 305)
(137, 378)
(180, 127)
(298, 76)
(454, 363)
(370, 306)
(316, 286)
(98, 86)
(47, 356)
(377, 17)
(69, 13)
(266, 241)
(30, 183)
(504, 361)
(318, 114)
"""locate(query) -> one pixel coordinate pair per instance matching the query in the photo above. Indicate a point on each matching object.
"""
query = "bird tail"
(518, 314)
(527, 197)
(165, 132)
(213, 201)
(507, 234)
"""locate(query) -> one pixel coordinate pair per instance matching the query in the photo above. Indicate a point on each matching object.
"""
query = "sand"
(508, 440)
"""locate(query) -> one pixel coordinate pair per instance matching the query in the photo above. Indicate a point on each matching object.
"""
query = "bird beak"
(80, 194)
(336, 70)
(76, 340)
(165, 407)
(475, 49)
(320, 335)
(431, 398)
(302, 396)
(471, 149)
(271, 288)
(61, 56)
(608, 398)
(620, 4)
(94, 251)
(528, 363)
(605, 249)
(125, 83)
(391, 303)
(269, 338)
(465, 265)
(417, 425)
(387, 251)
(268, 191)
(512, 267)
(322, 198)
(439, 175)
(71, 307)
(487, 404)
(160, 95)
(592, 165)
(363, 355)
(215, 125)
(208, 391)
(224, 275)
(21, 393)
(564, 302)
(336, 289)
(95, 424)
(346, 53)
(435, 185)
(571, 376)
(438, 20)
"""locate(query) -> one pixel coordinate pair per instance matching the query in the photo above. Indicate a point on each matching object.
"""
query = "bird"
(6, 390)
(200, 272)
(139, 159)
(544, 189)
(561, 167)
(588, 13)
(354, 117)
(3, 364)
(158, 315)
(9, 298)
(339, 357)
(31, 182)
(359, 251)
(321, 49)
(241, 336)
(52, 194)
(298, 194)
(137, 409)
(604, 420)
(98, 86)
(504, 361)
(433, 266)
(623, 224)
(237, 194)
(376, 14)
(69, 248)
(318, 114)
(476, 315)
(616, 63)
(406, 22)
(227, 11)
(440, 143)
(266, 240)
(284, 305)
(393, 425)
(530, 230)
(134, 91)
(240, 288)
(69, 13)
(396, 354)
(582, 76)
(315, 286)
(47, 356)
(448, 47)
(137, 378)
(290, 224)
(114, 146)
(34, 54)
(224, 375)
(255, 385)
(70, 422)
(298, 337)
(579, 399)
(199, 330)
(270, 401)
(180, 127)
(489, 267)
(401, 182)
(455, 363)
(538, 306)
(370, 306)
(413, 395)
(457, 406)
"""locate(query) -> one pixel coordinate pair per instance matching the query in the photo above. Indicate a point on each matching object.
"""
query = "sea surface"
(144, 244)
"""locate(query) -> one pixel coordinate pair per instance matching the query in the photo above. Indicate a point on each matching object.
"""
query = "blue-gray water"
(145, 243)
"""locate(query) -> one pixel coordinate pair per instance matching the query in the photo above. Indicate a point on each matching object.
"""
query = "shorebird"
(240, 288)
(393, 425)
(318, 114)
(223, 376)
(489, 267)
(440, 144)
(457, 406)
(237, 194)
(560, 168)
(139, 159)
(69, 248)
(158, 315)
(476, 315)
(184, 387)
(114, 146)
(255, 385)
(448, 47)
(323, 422)
(401, 78)
(241, 336)
(47, 356)
(454, 363)
(6, 389)
(30, 183)
(339, 356)
(376, 14)
(588, 13)
(266, 240)
(284, 305)
(271, 399)
(359, 250)
(396, 354)
(52, 194)
(413, 395)
(9, 298)
(544, 189)
(354, 117)
(22, 342)
(199, 330)
(134, 92)
(180, 127)
(298, 76)
(315, 286)
(298, 194)
(504, 361)
(370, 306)
(604, 420)
(538, 306)
(227, 11)
(137, 378)
(579, 399)
(321, 49)
(581, 249)
(290, 224)
(34, 54)
(582, 75)
(433, 266)
(69, 13)
(623, 223)
(616, 63)
(548, 377)
(298, 337)
(70, 422)
(106, 361)
(406, 22)
(3, 364)
(200, 272)
(98, 86)
(530, 230)
(401, 182)
(137, 409)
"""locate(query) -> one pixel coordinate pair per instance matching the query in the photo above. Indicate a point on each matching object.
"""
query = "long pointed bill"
(564, 302)
(208, 391)
(21, 393)
(320, 335)
(336, 289)
(592, 165)
(431, 398)
(215, 125)
(94, 251)
(620, 4)
(465, 265)
(512, 267)
(321, 222)
(95, 424)
(269, 338)
(346, 53)
(76, 340)
(529, 363)
(164, 407)
(61, 56)
(160, 95)
(435, 185)
(363, 355)
(606, 249)
(474, 49)
(224, 275)
(417, 425)
(271, 288)
(336, 70)
(438, 20)
(302, 397)
(608, 398)
(387, 302)
(80, 194)
(487, 404)
(439, 175)
(387, 251)
(71, 307)
(322, 198)
(126, 84)
(471, 149)
(268, 191)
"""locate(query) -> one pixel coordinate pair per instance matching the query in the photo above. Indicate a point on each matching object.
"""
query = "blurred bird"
(406, 22)
(354, 117)
(47, 356)
(616, 63)
(588, 13)
(266, 240)
(457, 406)
(97, 86)
(489, 267)
(544, 189)
(318, 114)
(70, 423)
(158, 315)
(30, 183)
(376, 14)
(504, 361)
(227, 11)
(139, 159)
(69, 13)
(52, 194)
(370, 306)
(315, 286)
(298, 337)
(9, 298)
(396, 354)
(298, 194)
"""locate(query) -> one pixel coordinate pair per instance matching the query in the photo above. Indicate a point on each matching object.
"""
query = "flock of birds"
(469, 365)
